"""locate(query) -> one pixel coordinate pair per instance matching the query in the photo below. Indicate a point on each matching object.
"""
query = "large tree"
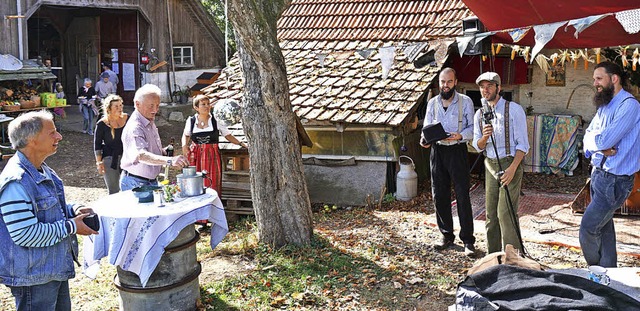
(280, 197)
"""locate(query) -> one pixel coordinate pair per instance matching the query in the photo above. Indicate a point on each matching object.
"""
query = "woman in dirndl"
(200, 142)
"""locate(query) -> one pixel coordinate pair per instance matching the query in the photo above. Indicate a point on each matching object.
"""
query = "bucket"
(406, 181)
(190, 185)
(173, 285)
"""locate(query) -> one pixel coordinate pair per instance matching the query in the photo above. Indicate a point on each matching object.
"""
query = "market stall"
(27, 85)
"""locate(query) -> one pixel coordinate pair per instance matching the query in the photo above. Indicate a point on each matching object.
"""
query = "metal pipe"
(20, 43)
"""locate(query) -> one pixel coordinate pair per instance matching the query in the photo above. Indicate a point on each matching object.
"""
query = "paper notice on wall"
(128, 77)
(115, 68)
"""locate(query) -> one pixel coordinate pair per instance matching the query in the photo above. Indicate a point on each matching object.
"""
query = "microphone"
(487, 112)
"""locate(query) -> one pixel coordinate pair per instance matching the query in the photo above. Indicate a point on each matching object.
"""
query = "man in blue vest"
(37, 228)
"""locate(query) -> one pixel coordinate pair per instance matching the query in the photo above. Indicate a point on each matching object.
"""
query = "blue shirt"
(615, 125)
(449, 118)
(518, 139)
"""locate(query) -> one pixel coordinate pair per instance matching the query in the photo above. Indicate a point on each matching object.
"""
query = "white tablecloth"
(133, 235)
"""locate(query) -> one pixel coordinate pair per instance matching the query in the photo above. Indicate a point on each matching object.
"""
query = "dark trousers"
(451, 163)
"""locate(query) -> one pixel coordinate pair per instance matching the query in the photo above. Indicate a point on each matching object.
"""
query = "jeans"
(111, 177)
(502, 221)
(52, 296)
(87, 119)
(129, 182)
(451, 163)
(597, 233)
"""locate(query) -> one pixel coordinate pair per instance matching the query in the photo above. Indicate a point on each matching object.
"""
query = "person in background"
(612, 141)
(104, 87)
(508, 126)
(38, 228)
(449, 160)
(200, 143)
(107, 141)
(143, 155)
(113, 77)
(86, 101)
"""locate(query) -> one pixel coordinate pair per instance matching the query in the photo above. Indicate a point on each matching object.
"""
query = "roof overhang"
(497, 15)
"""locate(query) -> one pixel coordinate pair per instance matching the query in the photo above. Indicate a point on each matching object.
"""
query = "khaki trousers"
(501, 229)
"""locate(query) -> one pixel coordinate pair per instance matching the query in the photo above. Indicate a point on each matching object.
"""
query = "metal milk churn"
(406, 181)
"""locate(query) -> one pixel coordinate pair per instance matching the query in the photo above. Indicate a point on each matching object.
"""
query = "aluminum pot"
(189, 171)
(190, 185)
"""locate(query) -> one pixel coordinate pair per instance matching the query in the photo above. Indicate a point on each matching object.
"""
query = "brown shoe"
(443, 244)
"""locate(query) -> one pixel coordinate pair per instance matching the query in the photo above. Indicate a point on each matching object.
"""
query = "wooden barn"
(164, 42)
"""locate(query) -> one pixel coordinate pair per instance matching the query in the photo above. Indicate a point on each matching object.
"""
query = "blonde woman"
(108, 141)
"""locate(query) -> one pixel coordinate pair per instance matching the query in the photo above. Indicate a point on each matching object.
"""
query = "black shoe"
(469, 250)
(443, 244)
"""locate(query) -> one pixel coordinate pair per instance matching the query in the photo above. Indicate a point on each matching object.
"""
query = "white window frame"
(180, 61)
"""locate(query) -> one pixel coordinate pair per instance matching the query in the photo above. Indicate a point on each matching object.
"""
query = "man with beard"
(449, 161)
(506, 132)
(612, 141)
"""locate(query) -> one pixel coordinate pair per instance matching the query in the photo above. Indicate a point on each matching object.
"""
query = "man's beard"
(447, 95)
(603, 97)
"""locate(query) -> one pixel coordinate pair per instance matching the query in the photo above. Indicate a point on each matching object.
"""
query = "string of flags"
(387, 54)
(629, 19)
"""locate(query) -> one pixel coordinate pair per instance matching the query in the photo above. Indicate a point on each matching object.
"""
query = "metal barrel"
(173, 285)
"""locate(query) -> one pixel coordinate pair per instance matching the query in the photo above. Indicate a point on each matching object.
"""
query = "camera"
(92, 222)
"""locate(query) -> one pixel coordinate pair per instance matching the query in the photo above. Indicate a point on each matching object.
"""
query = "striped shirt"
(23, 226)
(616, 124)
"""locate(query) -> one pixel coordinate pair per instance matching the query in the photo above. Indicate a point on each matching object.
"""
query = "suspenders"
(507, 141)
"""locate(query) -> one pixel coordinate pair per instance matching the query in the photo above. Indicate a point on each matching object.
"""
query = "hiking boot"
(443, 244)
(469, 250)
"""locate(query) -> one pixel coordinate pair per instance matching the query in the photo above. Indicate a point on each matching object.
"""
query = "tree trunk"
(280, 197)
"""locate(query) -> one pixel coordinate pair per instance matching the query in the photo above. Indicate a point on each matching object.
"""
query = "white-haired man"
(143, 155)
(37, 228)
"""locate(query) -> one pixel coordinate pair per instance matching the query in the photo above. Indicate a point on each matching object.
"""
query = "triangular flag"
(630, 20)
(343, 55)
(321, 57)
(411, 51)
(583, 23)
(443, 51)
(364, 53)
(519, 33)
(387, 55)
(543, 34)
(463, 42)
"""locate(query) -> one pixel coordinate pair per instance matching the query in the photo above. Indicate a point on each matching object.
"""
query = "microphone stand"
(506, 188)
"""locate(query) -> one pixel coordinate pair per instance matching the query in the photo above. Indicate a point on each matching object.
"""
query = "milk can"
(406, 181)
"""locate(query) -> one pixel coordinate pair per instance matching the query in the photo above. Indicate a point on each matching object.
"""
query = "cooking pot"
(191, 183)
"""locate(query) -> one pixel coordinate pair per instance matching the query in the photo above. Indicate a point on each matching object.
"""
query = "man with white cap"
(501, 126)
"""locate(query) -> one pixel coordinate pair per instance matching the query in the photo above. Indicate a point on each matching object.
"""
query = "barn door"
(82, 43)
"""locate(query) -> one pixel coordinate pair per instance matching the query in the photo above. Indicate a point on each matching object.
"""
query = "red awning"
(507, 14)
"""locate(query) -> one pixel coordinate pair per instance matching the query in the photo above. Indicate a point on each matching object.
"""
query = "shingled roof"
(348, 87)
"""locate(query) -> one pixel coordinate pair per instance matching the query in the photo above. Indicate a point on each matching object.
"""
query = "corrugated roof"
(348, 87)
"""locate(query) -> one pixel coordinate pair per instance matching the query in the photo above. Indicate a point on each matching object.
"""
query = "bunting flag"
(519, 33)
(365, 53)
(387, 55)
(321, 57)
(463, 43)
(442, 51)
(343, 55)
(412, 50)
(544, 34)
(584, 23)
(630, 20)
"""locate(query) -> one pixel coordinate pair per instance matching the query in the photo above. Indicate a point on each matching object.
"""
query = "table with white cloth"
(134, 235)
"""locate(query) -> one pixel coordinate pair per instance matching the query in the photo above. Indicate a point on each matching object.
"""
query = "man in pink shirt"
(143, 156)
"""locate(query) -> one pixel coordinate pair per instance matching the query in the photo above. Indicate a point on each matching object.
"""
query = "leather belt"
(136, 176)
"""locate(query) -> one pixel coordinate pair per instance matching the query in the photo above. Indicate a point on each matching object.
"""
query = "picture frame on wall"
(556, 76)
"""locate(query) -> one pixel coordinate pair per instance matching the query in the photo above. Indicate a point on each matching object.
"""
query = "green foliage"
(389, 198)
(216, 10)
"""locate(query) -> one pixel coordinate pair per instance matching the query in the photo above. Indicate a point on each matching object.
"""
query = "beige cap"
(489, 76)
